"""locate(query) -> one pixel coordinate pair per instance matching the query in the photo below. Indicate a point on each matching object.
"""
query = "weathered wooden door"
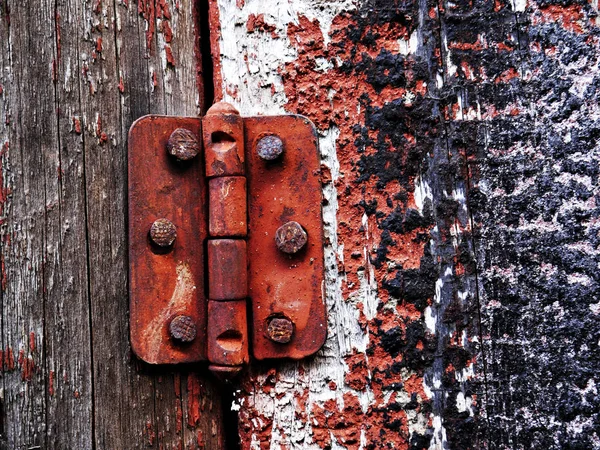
(459, 142)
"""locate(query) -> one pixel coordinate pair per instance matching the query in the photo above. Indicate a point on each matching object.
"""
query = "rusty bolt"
(269, 148)
(290, 237)
(280, 330)
(183, 144)
(163, 232)
(183, 329)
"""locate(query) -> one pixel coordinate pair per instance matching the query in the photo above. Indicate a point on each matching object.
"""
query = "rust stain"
(182, 298)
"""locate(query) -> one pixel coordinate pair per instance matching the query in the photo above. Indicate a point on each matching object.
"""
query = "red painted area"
(194, 388)
(170, 57)
(214, 22)
(51, 376)
(101, 135)
(328, 97)
(256, 22)
(146, 9)
(571, 17)
(76, 125)
(32, 341)
(8, 360)
(357, 377)
(150, 434)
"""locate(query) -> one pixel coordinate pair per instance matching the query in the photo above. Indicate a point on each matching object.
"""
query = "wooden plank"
(75, 75)
(32, 228)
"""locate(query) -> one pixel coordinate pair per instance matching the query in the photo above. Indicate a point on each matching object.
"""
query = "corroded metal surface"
(228, 333)
(280, 191)
(223, 134)
(163, 232)
(280, 266)
(183, 144)
(164, 285)
(183, 329)
(290, 237)
(269, 147)
(227, 200)
(227, 269)
(280, 330)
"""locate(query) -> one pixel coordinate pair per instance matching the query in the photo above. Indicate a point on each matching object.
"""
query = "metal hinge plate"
(168, 232)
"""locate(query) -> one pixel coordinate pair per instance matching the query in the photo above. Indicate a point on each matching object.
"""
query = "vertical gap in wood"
(477, 298)
(3, 345)
(204, 54)
(3, 341)
(231, 436)
(45, 360)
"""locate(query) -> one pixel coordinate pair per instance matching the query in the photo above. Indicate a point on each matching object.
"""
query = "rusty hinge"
(226, 251)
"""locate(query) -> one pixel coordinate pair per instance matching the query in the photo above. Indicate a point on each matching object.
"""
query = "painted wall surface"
(460, 142)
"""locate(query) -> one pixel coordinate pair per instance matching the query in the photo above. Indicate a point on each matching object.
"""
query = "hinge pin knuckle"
(223, 131)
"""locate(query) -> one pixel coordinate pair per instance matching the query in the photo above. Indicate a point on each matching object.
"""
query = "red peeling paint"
(167, 31)
(99, 45)
(27, 366)
(257, 23)
(147, 10)
(32, 341)
(170, 58)
(101, 135)
(570, 17)
(8, 360)
(150, 435)
(357, 376)
(4, 278)
(214, 23)
(76, 125)
(194, 388)
(51, 383)
(121, 85)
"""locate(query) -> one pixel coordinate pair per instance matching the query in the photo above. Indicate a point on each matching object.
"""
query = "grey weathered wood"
(75, 75)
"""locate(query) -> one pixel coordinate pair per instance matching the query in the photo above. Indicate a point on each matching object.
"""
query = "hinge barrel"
(223, 133)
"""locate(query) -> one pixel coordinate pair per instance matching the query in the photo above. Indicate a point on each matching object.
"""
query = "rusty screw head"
(290, 237)
(269, 148)
(280, 330)
(183, 144)
(163, 232)
(182, 329)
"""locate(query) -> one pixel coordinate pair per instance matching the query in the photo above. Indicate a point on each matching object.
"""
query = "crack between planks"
(444, 55)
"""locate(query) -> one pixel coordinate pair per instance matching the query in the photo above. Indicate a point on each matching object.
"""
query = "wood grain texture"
(75, 75)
